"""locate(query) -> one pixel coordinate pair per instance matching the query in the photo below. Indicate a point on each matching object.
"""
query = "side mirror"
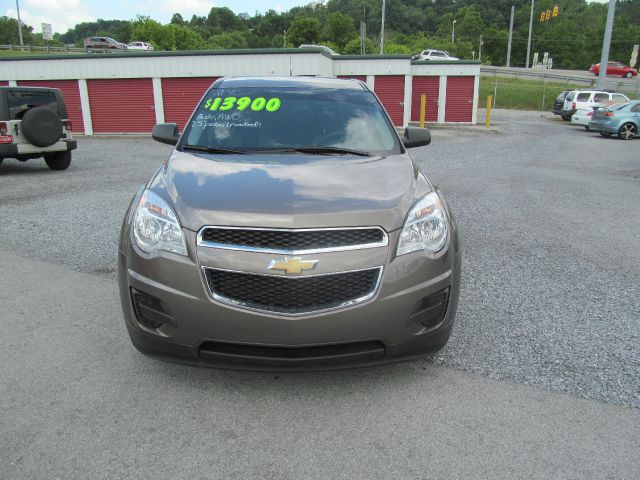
(416, 137)
(166, 133)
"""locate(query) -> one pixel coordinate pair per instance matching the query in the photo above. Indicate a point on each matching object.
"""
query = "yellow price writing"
(229, 103)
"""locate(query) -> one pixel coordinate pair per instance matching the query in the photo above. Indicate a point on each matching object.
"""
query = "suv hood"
(290, 190)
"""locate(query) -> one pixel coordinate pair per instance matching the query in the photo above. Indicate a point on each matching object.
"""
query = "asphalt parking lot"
(541, 377)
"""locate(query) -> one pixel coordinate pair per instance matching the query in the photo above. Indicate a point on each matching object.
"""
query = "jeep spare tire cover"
(41, 126)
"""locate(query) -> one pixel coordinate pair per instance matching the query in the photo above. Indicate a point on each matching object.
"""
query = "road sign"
(47, 33)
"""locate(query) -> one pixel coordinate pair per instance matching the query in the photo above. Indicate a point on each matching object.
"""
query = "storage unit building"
(130, 92)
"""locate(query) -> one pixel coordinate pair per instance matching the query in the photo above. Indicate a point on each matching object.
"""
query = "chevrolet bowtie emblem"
(292, 264)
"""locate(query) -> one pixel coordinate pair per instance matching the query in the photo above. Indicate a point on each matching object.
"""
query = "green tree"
(304, 30)
(353, 47)
(223, 20)
(227, 40)
(148, 30)
(9, 31)
(469, 25)
(118, 29)
(339, 29)
(396, 48)
(185, 38)
(177, 19)
(277, 41)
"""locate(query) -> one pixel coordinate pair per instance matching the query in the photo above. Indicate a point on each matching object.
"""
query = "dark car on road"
(34, 123)
(289, 229)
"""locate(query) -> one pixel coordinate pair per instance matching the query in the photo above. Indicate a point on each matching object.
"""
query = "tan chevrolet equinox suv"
(289, 229)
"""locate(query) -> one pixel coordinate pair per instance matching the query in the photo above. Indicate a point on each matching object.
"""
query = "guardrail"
(546, 74)
(537, 73)
(42, 48)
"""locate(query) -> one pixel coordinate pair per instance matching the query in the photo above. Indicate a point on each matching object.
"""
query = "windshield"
(286, 118)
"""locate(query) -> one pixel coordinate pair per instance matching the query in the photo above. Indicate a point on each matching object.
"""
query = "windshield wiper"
(202, 148)
(336, 150)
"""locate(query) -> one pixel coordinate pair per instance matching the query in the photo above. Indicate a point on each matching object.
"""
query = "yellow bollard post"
(488, 119)
(423, 109)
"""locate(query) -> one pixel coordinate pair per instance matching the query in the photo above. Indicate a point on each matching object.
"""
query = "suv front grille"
(292, 241)
(292, 295)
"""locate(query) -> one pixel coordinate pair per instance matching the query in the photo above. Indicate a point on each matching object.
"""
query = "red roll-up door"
(459, 106)
(181, 95)
(4, 83)
(430, 86)
(122, 106)
(390, 90)
(71, 94)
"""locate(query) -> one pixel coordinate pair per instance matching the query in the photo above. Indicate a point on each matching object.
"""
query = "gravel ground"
(549, 221)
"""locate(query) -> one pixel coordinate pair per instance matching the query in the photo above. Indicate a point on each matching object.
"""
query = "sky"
(64, 14)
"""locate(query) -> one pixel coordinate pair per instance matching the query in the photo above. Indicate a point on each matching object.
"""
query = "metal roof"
(295, 82)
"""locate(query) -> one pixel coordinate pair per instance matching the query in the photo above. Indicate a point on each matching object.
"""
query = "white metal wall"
(254, 63)
(99, 66)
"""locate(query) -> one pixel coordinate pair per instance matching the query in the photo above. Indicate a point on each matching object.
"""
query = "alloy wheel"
(627, 131)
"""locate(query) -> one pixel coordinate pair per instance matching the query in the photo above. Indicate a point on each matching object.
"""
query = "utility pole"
(363, 31)
(529, 41)
(480, 49)
(19, 22)
(513, 8)
(382, 30)
(606, 42)
(285, 39)
(453, 31)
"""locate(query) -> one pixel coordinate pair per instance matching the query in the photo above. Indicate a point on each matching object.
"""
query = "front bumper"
(384, 329)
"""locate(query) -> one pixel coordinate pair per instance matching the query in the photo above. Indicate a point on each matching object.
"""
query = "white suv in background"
(585, 99)
(435, 55)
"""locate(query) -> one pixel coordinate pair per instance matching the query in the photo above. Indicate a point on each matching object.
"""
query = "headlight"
(156, 227)
(426, 227)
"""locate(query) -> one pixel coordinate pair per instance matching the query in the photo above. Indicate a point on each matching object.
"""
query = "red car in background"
(616, 69)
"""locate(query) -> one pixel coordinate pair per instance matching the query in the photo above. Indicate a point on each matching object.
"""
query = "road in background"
(580, 77)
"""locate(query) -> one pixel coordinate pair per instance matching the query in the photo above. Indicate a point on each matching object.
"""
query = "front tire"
(627, 131)
(629, 75)
(58, 160)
